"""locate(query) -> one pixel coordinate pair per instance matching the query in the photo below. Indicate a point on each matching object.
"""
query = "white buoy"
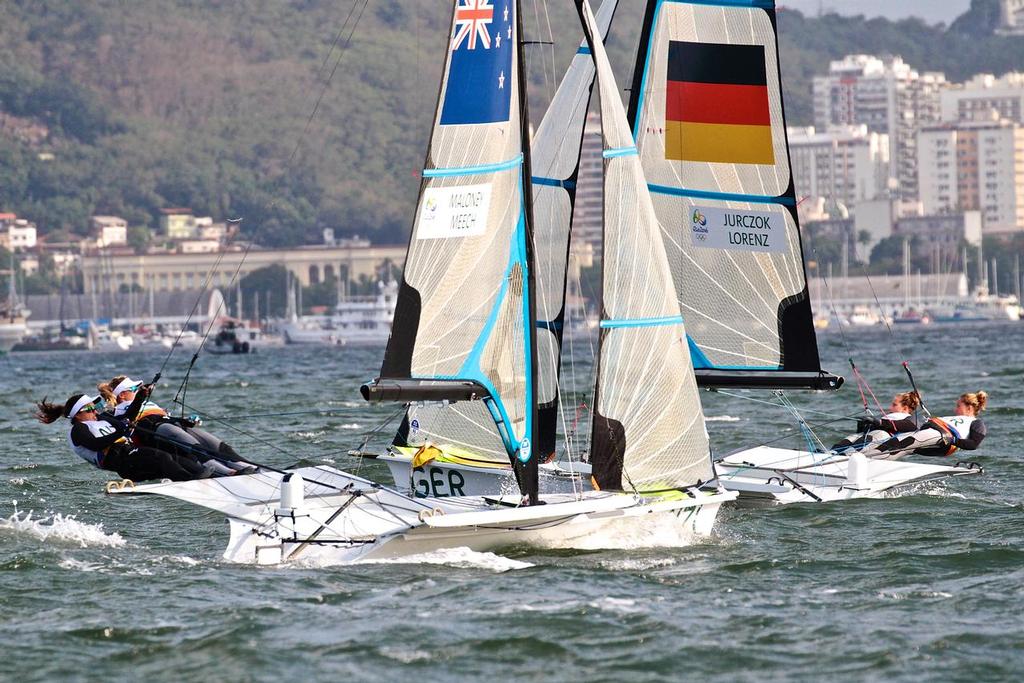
(292, 491)
(857, 474)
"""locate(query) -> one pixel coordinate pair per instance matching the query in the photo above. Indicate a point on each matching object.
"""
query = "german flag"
(717, 104)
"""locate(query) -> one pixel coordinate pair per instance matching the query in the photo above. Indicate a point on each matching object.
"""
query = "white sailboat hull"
(759, 475)
(345, 519)
(774, 476)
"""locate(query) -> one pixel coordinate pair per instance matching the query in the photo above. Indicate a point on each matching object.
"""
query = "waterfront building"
(168, 272)
(846, 164)
(17, 234)
(974, 166)
(887, 96)
(109, 230)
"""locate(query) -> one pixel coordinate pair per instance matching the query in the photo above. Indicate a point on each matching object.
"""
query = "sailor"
(104, 443)
(939, 436)
(900, 418)
(154, 427)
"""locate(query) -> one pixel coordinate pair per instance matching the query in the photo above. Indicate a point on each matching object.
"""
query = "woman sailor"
(156, 428)
(965, 430)
(103, 442)
(900, 418)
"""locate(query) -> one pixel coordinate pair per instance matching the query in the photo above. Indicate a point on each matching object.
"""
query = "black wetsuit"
(112, 451)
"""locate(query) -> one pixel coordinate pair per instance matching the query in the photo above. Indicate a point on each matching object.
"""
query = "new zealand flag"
(480, 77)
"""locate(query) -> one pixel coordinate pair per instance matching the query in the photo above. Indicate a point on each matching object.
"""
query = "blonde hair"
(977, 401)
(910, 399)
(106, 390)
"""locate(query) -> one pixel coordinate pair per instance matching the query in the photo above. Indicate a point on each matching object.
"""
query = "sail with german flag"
(716, 104)
(707, 115)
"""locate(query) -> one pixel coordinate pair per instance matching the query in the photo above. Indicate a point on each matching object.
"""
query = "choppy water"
(924, 586)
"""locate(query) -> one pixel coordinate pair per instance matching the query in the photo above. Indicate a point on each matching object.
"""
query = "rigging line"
(892, 337)
(772, 403)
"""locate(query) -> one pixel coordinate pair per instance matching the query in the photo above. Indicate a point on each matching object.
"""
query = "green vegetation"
(124, 108)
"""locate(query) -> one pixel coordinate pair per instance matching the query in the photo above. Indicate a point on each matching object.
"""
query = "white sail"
(709, 124)
(648, 429)
(555, 160)
(464, 307)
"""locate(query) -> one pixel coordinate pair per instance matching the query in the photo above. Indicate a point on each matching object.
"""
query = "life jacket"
(148, 409)
(98, 428)
(953, 428)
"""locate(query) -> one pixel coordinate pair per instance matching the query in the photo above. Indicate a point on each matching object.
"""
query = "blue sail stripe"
(584, 50)
(553, 182)
(701, 362)
(642, 322)
(473, 170)
(762, 4)
(619, 152)
(723, 196)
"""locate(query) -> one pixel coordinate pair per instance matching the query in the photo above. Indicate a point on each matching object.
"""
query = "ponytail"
(48, 413)
(106, 390)
(977, 401)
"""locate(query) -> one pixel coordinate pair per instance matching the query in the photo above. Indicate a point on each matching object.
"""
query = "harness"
(939, 425)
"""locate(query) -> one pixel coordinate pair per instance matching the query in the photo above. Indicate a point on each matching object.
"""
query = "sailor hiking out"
(155, 428)
(939, 436)
(103, 442)
(902, 417)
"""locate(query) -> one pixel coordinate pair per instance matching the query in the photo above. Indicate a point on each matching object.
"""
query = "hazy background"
(932, 11)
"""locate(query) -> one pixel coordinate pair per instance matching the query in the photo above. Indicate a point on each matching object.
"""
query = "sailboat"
(709, 127)
(12, 315)
(466, 330)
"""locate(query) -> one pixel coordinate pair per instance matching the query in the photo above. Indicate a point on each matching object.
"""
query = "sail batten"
(707, 116)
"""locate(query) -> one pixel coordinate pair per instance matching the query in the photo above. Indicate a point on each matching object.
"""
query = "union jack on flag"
(472, 18)
(480, 81)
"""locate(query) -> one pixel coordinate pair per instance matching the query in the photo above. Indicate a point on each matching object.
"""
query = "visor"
(127, 384)
(83, 402)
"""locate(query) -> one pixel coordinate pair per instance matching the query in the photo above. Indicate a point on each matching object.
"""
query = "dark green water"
(923, 586)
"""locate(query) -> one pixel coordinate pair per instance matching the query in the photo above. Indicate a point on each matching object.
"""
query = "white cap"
(81, 403)
(127, 384)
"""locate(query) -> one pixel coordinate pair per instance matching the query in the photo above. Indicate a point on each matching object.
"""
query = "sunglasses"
(91, 408)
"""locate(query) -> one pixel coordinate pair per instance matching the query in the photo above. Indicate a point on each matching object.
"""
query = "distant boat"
(13, 316)
(356, 321)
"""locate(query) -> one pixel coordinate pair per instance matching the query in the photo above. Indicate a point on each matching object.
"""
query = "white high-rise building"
(589, 212)
(1011, 17)
(887, 96)
(845, 164)
(983, 94)
(974, 165)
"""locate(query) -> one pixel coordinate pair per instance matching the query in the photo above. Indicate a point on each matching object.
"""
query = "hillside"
(124, 108)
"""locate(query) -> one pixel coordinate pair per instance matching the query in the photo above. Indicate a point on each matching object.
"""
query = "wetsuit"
(155, 428)
(938, 436)
(877, 429)
(104, 444)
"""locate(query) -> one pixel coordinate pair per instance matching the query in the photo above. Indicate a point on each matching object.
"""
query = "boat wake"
(463, 558)
(60, 529)
(721, 418)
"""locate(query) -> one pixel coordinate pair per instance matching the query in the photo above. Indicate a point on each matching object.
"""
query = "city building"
(944, 234)
(177, 271)
(177, 223)
(974, 166)
(887, 96)
(589, 212)
(17, 234)
(845, 164)
(109, 231)
(1011, 17)
(983, 94)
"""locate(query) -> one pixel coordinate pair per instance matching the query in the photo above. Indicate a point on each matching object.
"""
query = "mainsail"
(648, 428)
(708, 120)
(464, 323)
(555, 160)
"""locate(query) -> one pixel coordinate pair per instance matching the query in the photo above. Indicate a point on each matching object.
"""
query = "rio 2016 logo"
(699, 225)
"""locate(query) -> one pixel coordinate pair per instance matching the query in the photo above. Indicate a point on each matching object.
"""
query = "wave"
(721, 418)
(464, 558)
(60, 529)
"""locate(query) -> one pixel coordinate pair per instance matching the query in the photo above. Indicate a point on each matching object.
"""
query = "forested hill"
(124, 108)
